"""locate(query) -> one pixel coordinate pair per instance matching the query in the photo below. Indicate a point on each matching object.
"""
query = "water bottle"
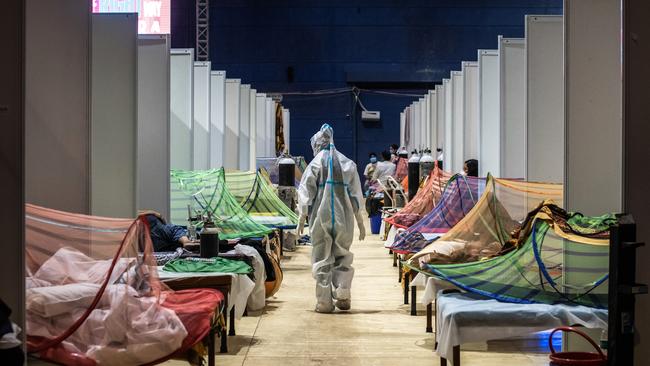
(191, 230)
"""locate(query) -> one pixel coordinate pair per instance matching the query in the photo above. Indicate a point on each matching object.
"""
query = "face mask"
(373, 160)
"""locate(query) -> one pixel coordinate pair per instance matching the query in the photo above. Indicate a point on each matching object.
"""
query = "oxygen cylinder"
(287, 172)
(287, 181)
(414, 174)
(209, 241)
(427, 163)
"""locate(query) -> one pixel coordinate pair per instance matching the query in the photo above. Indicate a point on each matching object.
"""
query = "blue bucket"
(375, 223)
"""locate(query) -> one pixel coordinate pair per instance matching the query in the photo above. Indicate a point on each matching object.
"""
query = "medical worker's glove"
(301, 224)
(360, 226)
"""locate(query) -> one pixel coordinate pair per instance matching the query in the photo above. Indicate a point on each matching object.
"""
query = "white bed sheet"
(431, 287)
(465, 318)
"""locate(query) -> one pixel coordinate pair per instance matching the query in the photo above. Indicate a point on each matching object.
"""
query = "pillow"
(56, 300)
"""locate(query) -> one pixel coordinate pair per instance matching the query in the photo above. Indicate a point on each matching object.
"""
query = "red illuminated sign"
(153, 15)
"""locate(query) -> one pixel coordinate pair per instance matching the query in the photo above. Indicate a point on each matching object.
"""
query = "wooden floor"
(377, 331)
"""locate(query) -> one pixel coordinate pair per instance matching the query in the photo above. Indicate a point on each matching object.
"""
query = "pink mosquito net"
(93, 294)
(424, 201)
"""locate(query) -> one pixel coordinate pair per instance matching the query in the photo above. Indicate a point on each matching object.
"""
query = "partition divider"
(449, 127)
(153, 124)
(253, 129)
(217, 118)
(244, 127)
(113, 114)
(181, 108)
(544, 98)
(231, 136)
(270, 127)
(260, 120)
(489, 109)
(440, 118)
(512, 86)
(470, 111)
(201, 125)
(457, 121)
(433, 121)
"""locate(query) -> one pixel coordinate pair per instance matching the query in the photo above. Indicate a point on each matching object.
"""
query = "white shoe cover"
(324, 308)
(343, 304)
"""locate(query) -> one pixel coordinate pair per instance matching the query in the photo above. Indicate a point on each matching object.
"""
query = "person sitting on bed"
(165, 237)
(384, 169)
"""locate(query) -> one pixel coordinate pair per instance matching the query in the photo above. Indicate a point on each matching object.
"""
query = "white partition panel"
(402, 127)
(417, 126)
(423, 123)
(424, 117)
(261, 130)
(217, 118)
(448, 151)
(410, 110)
(489, 109)
(153, 124)
(244, 126)
(440, 118)
(270, 127)
(457, 121)
(201, 126)
(407, 127)
(286, 121)
(231, 143)
(413, 127)
(57, 102)
(433, 121)
(594, 129)
(470, 111)
(181, 108)
(253, 123)
(113, 114)
(512, 81)
(545, 98)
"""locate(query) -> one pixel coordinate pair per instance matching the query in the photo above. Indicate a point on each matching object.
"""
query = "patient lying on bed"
(128, 326)
(165, 237)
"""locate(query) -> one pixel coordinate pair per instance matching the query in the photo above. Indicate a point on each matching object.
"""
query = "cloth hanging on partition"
(279, 130)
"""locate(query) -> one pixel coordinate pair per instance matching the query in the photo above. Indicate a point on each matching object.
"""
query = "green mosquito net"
(556, 257)
(206, 191)
(256, 195)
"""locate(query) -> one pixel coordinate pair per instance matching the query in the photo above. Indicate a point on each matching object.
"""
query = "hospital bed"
(465, 318)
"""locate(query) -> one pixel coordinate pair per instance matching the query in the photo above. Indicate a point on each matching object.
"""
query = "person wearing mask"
(393, 153)
(470, 168)
(369, 170)
(330, 194)
(384, 169)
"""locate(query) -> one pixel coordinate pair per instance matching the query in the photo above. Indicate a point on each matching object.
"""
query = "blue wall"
(403, 46)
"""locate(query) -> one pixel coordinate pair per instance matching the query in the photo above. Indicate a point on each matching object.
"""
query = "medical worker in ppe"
(330, 194)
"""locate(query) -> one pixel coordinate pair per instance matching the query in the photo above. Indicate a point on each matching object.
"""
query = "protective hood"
(322, 139)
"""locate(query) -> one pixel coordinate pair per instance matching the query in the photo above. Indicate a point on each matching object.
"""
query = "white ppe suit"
(330, 193)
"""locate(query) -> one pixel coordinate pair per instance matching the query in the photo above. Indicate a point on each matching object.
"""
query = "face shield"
(322, 139)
